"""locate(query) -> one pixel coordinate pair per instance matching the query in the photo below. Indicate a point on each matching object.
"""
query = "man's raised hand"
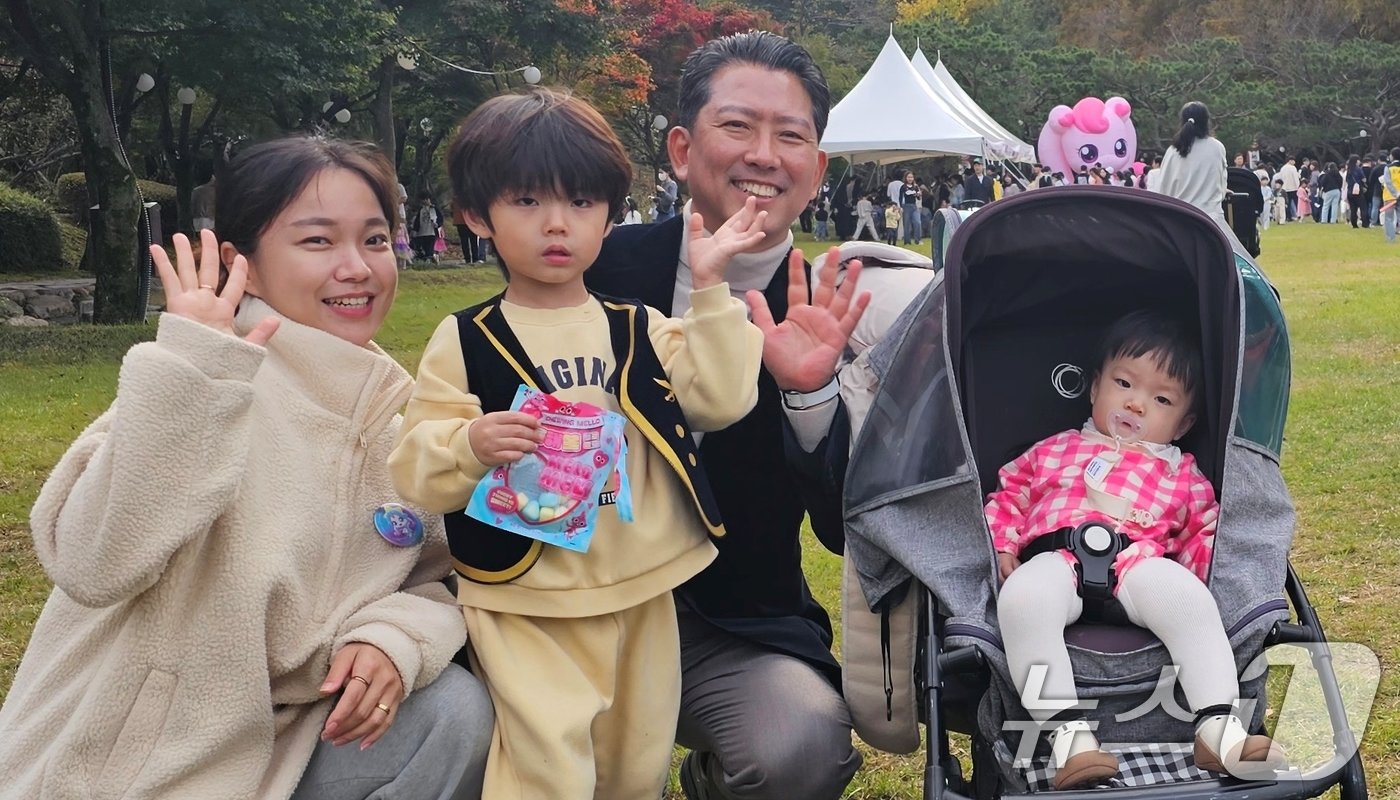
(803, 350)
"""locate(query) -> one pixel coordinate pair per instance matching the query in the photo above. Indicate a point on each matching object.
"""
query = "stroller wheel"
(1353, 783)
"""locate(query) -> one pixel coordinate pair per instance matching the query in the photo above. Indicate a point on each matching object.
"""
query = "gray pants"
(773, 726)
(436, 749)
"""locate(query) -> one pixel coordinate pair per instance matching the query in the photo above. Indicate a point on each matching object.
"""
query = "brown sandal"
(1258, 756)
(1085, 769)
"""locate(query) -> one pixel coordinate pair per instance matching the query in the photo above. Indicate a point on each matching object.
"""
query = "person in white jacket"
(865, 220)
(243, 608)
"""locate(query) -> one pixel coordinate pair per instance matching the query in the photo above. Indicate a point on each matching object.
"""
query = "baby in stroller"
(1114, 509)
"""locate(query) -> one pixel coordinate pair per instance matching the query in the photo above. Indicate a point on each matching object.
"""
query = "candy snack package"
(552, 493)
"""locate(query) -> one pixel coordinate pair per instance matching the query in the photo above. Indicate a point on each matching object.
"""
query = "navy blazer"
(763, 482)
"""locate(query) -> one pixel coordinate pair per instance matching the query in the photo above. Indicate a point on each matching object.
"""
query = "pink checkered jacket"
(1170, 506)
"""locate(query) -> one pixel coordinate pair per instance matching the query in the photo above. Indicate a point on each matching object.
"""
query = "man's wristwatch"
(798, 401)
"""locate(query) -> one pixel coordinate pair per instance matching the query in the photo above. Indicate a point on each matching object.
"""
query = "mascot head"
(1093, 132)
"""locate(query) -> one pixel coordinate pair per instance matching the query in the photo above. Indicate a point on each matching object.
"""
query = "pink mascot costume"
(1093, 132)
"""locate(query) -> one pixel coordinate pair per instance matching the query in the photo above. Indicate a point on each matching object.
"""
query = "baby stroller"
(996, 357)
(1244, 202)
(945, 224)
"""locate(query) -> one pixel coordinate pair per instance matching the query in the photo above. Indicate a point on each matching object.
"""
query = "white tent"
(892, 115)
(1001, 143)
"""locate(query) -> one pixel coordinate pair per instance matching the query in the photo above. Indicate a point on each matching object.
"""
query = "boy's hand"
(504, 437)
(709, 255)
(1006, 564)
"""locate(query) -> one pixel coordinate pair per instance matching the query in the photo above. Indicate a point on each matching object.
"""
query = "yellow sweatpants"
(585, 708)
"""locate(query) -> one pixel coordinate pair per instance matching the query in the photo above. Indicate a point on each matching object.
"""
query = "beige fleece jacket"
(211, 542)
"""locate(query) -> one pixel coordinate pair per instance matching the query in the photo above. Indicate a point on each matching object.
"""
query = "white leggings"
(1039, 600)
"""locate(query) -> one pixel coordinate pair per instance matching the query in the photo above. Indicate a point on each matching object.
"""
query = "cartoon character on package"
(552, 494)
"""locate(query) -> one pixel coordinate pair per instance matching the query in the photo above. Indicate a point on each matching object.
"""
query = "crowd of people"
(1361, 192)
(901, 212)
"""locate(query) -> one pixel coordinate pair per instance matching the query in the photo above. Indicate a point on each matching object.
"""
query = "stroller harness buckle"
(1095, 545)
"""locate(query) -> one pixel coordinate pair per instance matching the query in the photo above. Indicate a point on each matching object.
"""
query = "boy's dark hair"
(1173, 343)
(1395, 154)
(761, 49)
(538, 141)
(263, 180)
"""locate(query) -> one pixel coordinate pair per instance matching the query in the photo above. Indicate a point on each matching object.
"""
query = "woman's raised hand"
(193, 293)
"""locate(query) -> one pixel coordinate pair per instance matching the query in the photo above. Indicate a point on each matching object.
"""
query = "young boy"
(821, 215)
(580, 651)
(1121, 470)
(892, 221)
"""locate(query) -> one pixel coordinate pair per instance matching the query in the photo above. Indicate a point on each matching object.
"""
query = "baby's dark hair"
(1173, 344)
(537, 141)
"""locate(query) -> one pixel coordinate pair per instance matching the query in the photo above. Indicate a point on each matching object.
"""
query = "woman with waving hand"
(242, 606)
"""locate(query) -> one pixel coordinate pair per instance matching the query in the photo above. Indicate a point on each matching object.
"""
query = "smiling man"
(760, 707)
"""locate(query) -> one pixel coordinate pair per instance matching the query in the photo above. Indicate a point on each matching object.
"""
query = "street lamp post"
(182, 157)
(341, 115)
(658, 127)
(186, 96)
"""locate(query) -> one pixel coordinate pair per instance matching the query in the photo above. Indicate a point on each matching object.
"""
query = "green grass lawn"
(1341, 292)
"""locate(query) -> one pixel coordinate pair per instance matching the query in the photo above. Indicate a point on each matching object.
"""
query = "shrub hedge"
(29, 231)
(74, 240)
(71, 196)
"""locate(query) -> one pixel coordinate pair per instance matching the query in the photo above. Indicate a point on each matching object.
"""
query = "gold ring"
(360, 679)
(383, 708)
(206, 286)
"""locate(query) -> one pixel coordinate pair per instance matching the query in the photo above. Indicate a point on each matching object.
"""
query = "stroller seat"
(1109, 639)
(999, 357)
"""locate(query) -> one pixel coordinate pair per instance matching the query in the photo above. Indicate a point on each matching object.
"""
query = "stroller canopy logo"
(1068, 380)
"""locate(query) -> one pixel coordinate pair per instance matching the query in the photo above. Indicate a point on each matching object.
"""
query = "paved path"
(56, 283)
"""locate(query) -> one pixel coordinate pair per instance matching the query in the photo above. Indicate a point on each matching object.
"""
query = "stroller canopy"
(1000, 356)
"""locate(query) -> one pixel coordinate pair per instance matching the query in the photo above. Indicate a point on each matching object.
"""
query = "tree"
(69, 43)
(239, 53)
(255, 56)
(37, 137)
(833, 18)
(662, 33)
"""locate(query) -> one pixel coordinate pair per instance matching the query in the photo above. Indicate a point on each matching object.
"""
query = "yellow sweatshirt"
(711, 357)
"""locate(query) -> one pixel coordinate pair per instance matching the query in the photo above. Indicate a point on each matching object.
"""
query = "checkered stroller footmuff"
(1139, 765)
